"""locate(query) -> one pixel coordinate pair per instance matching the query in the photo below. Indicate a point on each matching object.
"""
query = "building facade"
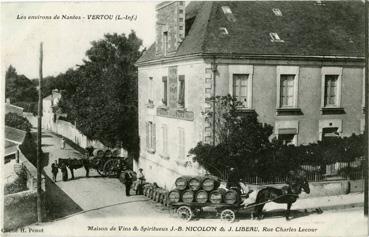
(304, 77)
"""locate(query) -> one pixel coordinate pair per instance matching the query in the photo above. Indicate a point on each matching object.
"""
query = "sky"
(65, 41)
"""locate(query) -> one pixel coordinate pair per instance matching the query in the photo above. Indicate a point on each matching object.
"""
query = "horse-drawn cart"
(187, 211)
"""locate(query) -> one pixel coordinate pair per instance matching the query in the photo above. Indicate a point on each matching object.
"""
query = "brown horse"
(287, 194)
(73, 164)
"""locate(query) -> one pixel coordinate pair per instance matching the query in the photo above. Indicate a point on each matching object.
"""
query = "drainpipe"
(214, 70)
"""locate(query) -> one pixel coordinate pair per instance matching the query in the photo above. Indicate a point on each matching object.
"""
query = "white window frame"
(288, 70)
(285, 124)
(328, 123)
(331, 71)
(242, 69)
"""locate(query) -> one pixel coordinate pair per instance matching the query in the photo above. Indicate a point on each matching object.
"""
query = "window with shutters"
(287, 90)
(181, 143)
(165, 91)
(150, 137)
(330, 90)
(240, 88)
(181, 91)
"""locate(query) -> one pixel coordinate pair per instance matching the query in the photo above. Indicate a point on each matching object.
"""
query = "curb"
(333, 207)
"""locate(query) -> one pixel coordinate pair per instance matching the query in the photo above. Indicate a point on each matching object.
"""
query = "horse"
(73, 164)
(287, 194)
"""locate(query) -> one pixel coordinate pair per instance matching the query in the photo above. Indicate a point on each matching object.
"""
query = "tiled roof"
(14, 135)
(334, 28)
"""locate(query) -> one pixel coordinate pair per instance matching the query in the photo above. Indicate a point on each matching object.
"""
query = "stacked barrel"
(201, 189)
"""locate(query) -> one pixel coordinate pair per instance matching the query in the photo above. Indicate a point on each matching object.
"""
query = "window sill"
(164, 157)
(288, 111)
(332, 110)
(151, 151)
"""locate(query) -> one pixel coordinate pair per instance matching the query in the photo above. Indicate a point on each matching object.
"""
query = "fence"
(337, 171)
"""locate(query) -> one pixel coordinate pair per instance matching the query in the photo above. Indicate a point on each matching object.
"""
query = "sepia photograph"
(184, 118)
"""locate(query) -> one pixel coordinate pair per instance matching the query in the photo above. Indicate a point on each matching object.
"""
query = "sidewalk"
(324, 203)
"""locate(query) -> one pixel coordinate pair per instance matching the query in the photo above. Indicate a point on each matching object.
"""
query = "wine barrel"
(108, 153)
(202, 196)
(217, 195)
(195, 183)
(210, 183)
(98, 153)
(182, 182)
(115, 152)
(174, 196)
(188, 196)
(231, 197)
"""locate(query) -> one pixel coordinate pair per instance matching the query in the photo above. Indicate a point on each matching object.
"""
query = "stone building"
(298, 65)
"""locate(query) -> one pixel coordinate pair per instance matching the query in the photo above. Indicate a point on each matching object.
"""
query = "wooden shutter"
(153, 136)
(181, 96)
(147, 135)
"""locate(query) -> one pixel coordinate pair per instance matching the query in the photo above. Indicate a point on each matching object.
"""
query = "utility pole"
(214, 70)
(366, 48)
(39, 152)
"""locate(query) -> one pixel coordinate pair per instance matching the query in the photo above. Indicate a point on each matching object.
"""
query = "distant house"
(49, 106)
(299, 65)
(9, 108)
(13, 139)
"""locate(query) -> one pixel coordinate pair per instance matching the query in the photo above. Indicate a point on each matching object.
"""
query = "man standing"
(127, 183)
(140, 182)
(54, 170)
(64, 171)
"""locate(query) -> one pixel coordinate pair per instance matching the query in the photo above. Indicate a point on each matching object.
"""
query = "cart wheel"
(228, 215)
(185, 213)
(110, 168)
(100, 167)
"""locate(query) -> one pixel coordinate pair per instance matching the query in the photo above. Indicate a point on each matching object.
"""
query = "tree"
(18, 87)
(16, 121)
(241, 141)
(103, 101)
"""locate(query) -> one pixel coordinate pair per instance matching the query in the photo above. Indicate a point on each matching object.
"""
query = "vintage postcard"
(184, 118)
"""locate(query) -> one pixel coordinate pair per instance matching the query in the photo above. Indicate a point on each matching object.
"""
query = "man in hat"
(140, 182)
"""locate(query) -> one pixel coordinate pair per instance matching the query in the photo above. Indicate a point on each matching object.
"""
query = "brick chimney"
(170, 26)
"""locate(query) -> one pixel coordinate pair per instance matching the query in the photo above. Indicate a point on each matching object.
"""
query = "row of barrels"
(155, 193)
(101, 153)
(201, 189)
(217, 196)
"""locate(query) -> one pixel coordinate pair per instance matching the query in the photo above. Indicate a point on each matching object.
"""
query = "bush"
(16, 121)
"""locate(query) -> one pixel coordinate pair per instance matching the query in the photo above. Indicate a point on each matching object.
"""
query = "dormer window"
(277, 12)
(275, 37)
(226, 10)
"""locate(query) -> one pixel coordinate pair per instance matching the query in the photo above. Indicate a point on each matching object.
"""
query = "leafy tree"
(103, 101)
(16, 121)
(241, 141)
(19, 87)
